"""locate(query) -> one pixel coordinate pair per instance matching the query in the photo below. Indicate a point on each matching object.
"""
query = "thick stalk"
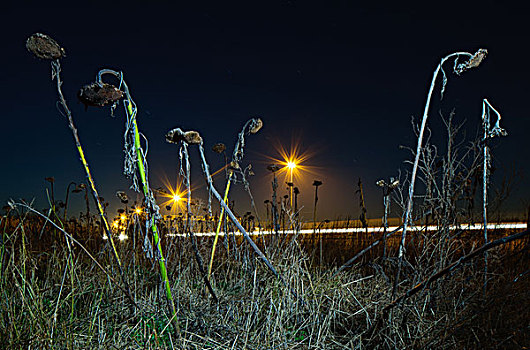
(154, 228)
(56, 68)
(486, 125)
(240, 227)
(408, 211)
(219, 225)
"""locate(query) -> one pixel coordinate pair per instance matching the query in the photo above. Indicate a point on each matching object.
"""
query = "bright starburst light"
(293, 163)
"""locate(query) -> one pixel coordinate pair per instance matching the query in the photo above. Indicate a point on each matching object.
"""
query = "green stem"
(154, 228)
(219, 225)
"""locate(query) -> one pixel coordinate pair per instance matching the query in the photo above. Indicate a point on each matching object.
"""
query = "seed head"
(219, 148)
(256, 125)
(393, 184)
(122, 197)
(99, 95)
(44, 47)
(273, 168)
(473, 62)
(317, 183)
(177, 135)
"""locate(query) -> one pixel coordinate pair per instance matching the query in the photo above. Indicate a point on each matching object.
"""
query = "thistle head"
(317, 183)
(44, 47)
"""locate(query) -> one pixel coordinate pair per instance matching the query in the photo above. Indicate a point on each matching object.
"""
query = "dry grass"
(255, 311)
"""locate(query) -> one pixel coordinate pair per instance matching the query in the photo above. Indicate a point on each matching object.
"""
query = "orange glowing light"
(138, 211)
(123, 217)
(175, 197)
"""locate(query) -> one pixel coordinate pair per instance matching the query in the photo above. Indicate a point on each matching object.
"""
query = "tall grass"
(425, 293)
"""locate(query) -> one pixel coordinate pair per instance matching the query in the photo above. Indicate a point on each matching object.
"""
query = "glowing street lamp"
(177, 198)
(291, 166)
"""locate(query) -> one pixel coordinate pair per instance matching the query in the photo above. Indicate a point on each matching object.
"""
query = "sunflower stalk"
(486, 165)
(473, 61)
(152, 210)
(253, 125)
(239, 226)
(44, 47)
(184, 158)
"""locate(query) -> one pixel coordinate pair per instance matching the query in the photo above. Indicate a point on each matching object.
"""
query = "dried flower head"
(393, 184)
(42, 46)
(82, 186)
(177, 135)
(99, 95)
(50, 179)
(192, 137)
(473, 62)
(256, 125)
(122, 196)
(273, 167)
(219, 148)
(317, 183)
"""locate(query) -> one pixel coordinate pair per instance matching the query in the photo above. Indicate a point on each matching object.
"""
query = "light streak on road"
(472, 227)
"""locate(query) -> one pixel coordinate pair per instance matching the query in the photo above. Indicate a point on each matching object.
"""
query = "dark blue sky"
(342, 78)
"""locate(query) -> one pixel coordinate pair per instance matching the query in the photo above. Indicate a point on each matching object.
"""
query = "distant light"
(122, 237)
(138, 211)
(115, 225)
(176, 197)
(123, 217)
(105, 237)
(291, 165)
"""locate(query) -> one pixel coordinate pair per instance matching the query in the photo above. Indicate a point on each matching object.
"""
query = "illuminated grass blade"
(219, 225)
(151, 207)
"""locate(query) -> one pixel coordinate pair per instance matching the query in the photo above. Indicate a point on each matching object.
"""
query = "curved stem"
(56, 68)
(152, 208)
(408, 211)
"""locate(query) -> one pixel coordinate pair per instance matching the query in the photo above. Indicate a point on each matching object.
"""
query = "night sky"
(338, 79)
